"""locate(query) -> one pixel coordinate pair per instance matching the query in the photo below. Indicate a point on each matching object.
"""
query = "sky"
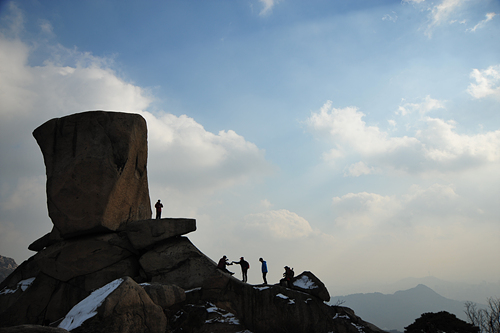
(358, 140)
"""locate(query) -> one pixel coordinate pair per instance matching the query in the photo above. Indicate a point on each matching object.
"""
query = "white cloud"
(441, 12)
(332, 155)
(393, 17)
(487, 82)
(445, 146)
(268, 6)
(184, 156)
(434, 147)
(347, 127)
(281, 224)
(448, 12)
(53, 90)
(23, 213)
(435, 200)
(364, 210)
(46, 28)
(420, 206)
(266, 203)
(489, 17)
(358, 169)
(15, 19)
(429, 104)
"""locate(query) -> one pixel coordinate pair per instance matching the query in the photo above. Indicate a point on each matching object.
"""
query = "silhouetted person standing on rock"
(264, 270)
(244, 268)
(222, 265)
(287, 277)
(158, 207)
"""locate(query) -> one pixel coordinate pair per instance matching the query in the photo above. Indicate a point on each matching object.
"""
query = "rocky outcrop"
(266, 309)
(143, 234)
(164, 295)
(127, 308)
(177, 261)
(138, 274)
(16, 283)
(7, 266)
(205, 318)
(308, 283)
(29, 306)
(48, 239)
(96, 170)
(78, 257)
(62, 274)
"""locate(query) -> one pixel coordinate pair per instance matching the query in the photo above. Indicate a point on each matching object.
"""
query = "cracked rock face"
(96, 170)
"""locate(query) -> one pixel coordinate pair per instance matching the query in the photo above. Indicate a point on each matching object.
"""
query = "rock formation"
(307, 282)
(96, 170)
(133, 273)
(127, 308)
(7, 266)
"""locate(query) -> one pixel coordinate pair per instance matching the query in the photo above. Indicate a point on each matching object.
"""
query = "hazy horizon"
(357, 140)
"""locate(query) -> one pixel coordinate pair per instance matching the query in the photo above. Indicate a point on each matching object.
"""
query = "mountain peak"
(395, 311)
(420, 292)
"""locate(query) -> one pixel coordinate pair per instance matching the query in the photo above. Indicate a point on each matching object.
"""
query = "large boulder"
(164, 295)
(308, 282)
(120, 306)
(126, 267)
(30, 305)
(75, 267)
(145, 233)
(177, 261)
(96, 170)
(13, 287)
(76, 257)
(41, 300)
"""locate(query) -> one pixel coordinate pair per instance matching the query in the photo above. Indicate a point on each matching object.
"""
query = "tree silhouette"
(488, 320)
(440, 322)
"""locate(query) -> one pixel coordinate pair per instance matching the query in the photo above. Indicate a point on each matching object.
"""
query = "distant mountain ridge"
(396, 311)
(7, 266)
(460, 291)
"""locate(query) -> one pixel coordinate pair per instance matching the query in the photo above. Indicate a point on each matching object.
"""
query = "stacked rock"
(143, 275)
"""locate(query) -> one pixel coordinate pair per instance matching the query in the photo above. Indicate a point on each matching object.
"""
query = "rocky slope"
(110, 268)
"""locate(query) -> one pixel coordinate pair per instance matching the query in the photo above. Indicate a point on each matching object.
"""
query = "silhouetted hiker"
(158, 207)
(287, 277)
(264, 270)
(222, 265)
(244, 268)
